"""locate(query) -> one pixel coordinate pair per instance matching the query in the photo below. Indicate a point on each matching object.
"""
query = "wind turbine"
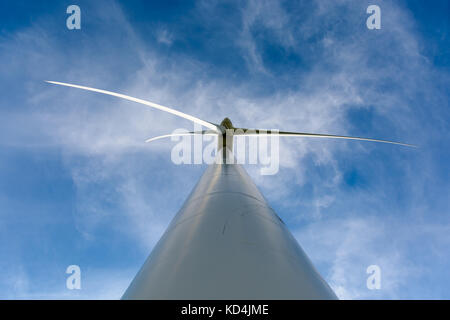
(226, 242)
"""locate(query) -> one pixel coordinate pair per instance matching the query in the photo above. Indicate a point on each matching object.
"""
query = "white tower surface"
(226, 242)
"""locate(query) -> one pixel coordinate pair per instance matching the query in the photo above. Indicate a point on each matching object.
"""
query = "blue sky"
(78, 185)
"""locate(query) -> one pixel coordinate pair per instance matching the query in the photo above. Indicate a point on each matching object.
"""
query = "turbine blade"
(204, 132)
(259, 132)
(144, 102)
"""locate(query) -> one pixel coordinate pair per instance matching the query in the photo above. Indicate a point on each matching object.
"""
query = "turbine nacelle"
(226, 124)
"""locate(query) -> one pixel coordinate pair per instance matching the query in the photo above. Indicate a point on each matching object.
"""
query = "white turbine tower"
(226, 242)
